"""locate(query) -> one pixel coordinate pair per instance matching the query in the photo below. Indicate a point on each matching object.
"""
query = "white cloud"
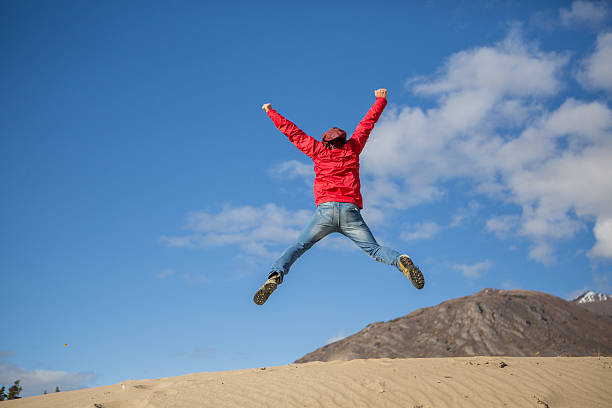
(596, 72)
(503, 225)
(253, 229)
(591, 13)
(35, 382)
(566, 186)
(477, 91)
(292, 169)
(429, 229)
(543, 252)
(603, 234)
(423, 230)
(373, 215)
(490, 126)
(464, 213)
(473, 271)
(480, 75)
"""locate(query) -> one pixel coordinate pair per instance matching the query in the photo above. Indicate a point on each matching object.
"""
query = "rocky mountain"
(596, 302)
(491, 322)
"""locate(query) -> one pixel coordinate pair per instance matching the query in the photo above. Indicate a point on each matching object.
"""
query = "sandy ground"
(538, 382)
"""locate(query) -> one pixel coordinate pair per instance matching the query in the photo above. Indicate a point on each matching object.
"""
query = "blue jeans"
(329, 217)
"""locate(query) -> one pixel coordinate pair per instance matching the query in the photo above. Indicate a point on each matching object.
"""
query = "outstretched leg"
(320, 225)
(353, 226)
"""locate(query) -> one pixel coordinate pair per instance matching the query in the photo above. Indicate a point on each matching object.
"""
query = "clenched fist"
(266, 107)
(380, 93)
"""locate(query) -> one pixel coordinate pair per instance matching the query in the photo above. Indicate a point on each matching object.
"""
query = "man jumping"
(337, 196)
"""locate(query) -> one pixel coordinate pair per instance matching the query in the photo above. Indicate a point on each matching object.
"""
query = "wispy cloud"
(585, 13)
(429, 229)
(423, 230)
(252, 229)
(464, 213)
(503, 225)
(6, 353)
(35, 382)
(293, 169)
(473, 271)
(490, 125)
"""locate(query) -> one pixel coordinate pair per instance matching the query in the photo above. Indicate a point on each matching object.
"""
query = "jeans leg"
(318, 227)
(353, 226)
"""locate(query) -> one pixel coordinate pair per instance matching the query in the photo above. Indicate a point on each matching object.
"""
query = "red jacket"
(336, 170)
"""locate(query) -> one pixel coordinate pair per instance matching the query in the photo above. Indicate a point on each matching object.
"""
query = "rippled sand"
(414, 382)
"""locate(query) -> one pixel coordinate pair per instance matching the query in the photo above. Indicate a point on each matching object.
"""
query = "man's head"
(334, 137)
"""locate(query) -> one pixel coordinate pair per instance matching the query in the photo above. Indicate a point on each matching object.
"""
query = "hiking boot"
(264, 292)
(411, 271)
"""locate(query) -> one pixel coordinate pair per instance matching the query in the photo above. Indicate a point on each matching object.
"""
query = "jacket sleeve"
(361, 134)
(307, 144)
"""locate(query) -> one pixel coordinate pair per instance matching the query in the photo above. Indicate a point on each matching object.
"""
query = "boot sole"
(264, 293)
(414, 275)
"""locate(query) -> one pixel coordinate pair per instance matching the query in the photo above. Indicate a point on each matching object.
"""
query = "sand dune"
(414, 382)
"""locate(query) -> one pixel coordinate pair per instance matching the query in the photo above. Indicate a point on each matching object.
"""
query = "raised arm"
(361, 134)
(307, 144)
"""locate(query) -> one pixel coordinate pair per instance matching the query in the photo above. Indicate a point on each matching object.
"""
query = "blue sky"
(145, 193)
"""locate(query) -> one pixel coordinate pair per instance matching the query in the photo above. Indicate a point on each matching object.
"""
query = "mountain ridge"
(489, 322)
(590, 296)
(597, 302)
